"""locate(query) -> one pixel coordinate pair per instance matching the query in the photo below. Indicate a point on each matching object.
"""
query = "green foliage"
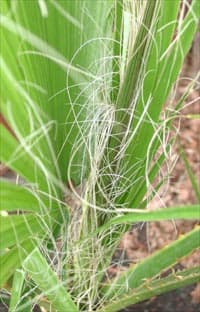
(153, 264)
(83, 86)
(190, 173)
(187, 212)
(17, 287)
(152, 288)
(48, 282)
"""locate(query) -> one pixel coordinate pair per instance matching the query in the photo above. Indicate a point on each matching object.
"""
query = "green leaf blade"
(154, 288)
(15, 197)
(48, 282)
(154, 264)
(12, 259)
(16, 229)
(17, 287)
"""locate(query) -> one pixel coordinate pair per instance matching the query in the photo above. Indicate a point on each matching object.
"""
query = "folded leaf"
(42, 274)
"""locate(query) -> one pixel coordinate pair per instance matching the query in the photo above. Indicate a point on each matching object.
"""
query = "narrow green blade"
(48, 282)
(17, 286)
(191, 175)
(12, 259)
(153, 265)
(187, 212)
(16, 229)
(16, 157)
(15, 197)
(154, 288)
(20, 197)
